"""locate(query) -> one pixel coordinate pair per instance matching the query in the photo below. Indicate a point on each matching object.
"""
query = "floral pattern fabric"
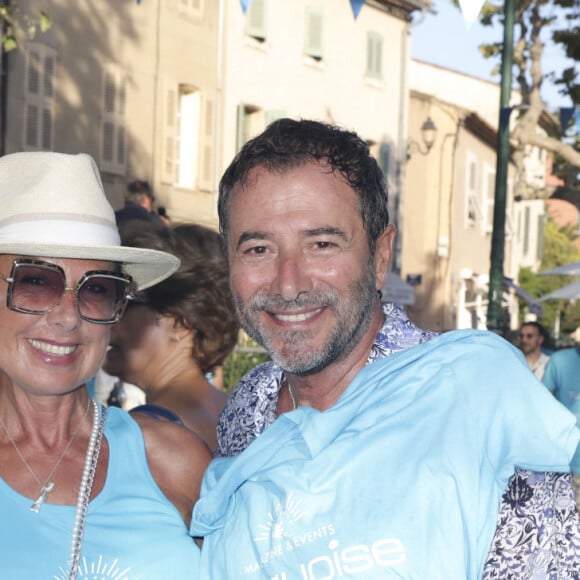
(538, 530)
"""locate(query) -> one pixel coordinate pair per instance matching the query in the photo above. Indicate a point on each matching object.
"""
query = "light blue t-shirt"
(562, 377)
(132, 531)
(402, 478)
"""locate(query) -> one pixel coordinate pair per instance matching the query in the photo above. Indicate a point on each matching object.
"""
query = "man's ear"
(384, 255)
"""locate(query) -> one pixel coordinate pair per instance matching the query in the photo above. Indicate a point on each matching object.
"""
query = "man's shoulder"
(565, 355)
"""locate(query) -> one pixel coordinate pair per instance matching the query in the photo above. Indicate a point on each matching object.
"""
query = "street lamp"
(428, 134)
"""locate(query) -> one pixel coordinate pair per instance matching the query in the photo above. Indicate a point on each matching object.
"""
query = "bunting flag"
(470, 10)
(356, 5)
(566, 114)
(245, 5)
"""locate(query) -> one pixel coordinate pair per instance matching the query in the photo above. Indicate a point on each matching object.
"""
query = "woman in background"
(173, 335)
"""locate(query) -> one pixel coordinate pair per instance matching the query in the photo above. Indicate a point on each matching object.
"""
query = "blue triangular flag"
(245, 5)
(565, 116)
(356, 5)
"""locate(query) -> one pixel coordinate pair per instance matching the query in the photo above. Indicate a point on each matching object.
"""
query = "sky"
(446, 40)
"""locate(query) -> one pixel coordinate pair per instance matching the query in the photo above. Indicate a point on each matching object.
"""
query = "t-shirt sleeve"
(520, 423)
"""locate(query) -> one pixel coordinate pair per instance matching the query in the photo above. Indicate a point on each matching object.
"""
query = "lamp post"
(428, 134)
(494, 308)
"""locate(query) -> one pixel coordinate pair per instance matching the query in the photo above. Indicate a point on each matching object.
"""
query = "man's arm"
(538, 529)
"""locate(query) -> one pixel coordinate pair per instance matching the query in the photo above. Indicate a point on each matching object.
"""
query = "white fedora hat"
(53, 205)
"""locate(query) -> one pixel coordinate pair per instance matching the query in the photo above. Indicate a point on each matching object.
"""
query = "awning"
(569, 292)
(572, 269)
(396, 290)
(534, 305)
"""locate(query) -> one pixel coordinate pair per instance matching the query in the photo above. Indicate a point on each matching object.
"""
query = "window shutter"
(313, 36)
(31, 126)
(46, 129)
(39, 97)
(169, 137)
(273, 115)
(207, 146)
(489, 200)
(540, 234)
(374, 55)
(113, 141)
(473, 209)
(256, 20)
(527, 219)
(34, 73)
(385, 159)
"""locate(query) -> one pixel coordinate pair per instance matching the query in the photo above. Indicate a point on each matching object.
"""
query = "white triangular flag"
(470, 10)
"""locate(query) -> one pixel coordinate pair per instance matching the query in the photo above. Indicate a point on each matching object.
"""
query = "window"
(188, 137)
(313, 35)
(374, 55)
(472, 205)
(113, 135)
(191, 7)
(488, 198)
(256, 20)
(251, 122)
(39, 98)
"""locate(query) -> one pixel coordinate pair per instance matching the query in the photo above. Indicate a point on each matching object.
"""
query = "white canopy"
(569, 292)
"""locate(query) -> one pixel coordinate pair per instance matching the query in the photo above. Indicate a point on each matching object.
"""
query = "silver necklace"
(291, 397)
(90, 467)
(48, 486)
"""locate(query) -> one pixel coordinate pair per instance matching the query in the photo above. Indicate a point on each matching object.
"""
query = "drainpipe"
(218, 101)
(397, 219)
(3, 87)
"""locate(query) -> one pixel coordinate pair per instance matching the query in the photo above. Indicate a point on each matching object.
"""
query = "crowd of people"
(365, 448)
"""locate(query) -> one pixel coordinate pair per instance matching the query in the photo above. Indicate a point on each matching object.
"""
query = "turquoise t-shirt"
(132, 531)
(402, 478)
(562, 376)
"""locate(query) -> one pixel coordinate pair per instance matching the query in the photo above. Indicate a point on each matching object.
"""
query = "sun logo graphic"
(282, 517)
(99, 570)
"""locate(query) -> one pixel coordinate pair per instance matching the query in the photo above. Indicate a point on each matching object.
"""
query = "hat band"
(61, 232)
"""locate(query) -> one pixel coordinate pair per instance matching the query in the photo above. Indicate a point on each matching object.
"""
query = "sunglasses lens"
(36, 289)
(102, 298)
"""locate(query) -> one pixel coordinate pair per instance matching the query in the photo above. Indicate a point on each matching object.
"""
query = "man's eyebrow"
(326, 231)
(246, 236)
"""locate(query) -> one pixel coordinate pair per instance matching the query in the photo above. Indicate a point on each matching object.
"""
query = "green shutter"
(313, 35)
(256, 20)
(374, 55)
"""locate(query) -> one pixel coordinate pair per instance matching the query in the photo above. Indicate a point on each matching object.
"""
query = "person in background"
(176, 333)
(139, 205)
(367, 448)
(562, 378)
(84, 490)
(532, 337)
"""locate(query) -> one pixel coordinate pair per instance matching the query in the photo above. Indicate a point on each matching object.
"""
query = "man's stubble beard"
(290, 349)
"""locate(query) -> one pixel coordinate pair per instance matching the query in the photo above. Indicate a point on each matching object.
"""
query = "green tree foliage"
(11, 17)
(535, 22)
(559, 249)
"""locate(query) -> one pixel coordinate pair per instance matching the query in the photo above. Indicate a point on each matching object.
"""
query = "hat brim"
(146, 267)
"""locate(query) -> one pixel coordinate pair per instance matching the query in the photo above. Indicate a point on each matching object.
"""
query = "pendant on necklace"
(44, 491)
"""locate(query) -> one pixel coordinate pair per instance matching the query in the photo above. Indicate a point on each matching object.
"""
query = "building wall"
(149, 44)
(447, 218)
